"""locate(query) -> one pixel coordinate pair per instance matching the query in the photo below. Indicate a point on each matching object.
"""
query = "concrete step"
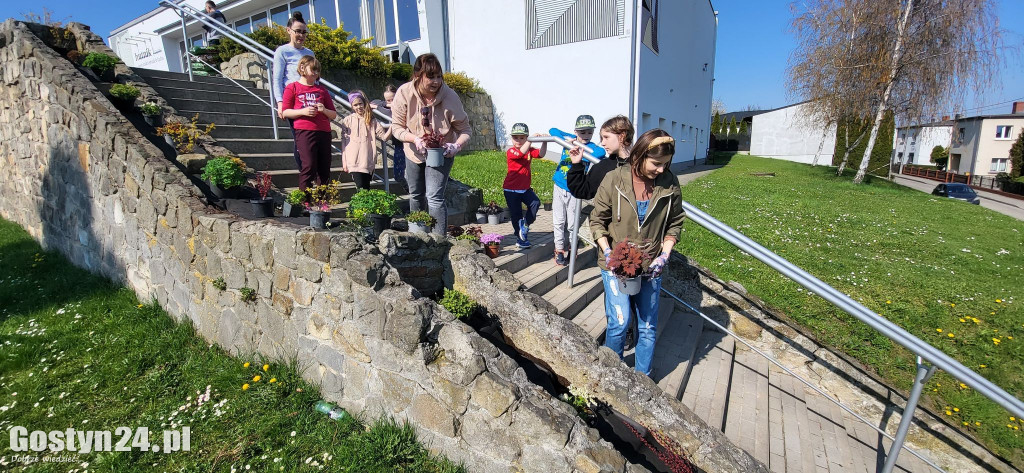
(289, 178)
(218, 118)
(592, 318)
(707, 390)
(543, 247)
(543, 276)
(176, 94)
(222, 106)
(570, 301)
(675, 350)
(259, 146)
(159, 83)
(348, 189)
(251, 132)
(155, 74)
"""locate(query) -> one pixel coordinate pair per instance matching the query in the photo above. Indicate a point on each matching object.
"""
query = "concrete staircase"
(762, 409)
(243, 125)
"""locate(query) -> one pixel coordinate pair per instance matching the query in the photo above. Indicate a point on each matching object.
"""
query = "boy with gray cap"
(517, 183)
(563, 204)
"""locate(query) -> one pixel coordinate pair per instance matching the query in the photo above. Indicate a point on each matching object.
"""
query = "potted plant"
(547, 206)
(493, 211)
(101, 64)
(492, 244)
(420, 222)
(469, 233)
(152, 113)
(626, 263)
(264, 206)
(433, 141)
(481, 215)
(124, 94)
(376, 206)
(293, 203)
(319, 202)
(224, 174)
(183, 135)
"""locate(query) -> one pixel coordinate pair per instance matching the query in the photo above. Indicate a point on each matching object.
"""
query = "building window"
(349, 10)
(259, 21)
(279, 15)
(910, 158)
(390, 37)
(1003, 132)
(960, 135)
(198, 41)
(324, 12)
(301, 6)
(243, 26)
(408, 20)
(564, 22)
(899, 156)
(649, 23)
(998, 165)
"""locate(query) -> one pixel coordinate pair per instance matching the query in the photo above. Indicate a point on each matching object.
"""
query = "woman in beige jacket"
(426, 96)
(359, 134)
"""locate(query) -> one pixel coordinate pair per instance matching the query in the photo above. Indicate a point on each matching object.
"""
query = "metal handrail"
(923, 351)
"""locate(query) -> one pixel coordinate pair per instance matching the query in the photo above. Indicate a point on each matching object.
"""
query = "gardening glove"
(451, 149)
(659, 264)
(420, 145)
(608, 258)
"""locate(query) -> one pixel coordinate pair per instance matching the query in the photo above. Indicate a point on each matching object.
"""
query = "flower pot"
(417, 227)
(492, 250)
(318, 219)
(154, 120)
(629, 286)
(481, 217)
(493, 219)
(547, 206)
(505, 216)
(105, 76)
(289, 210)
(380, 223)
(220, 192)
(262, 208)
(435, 157)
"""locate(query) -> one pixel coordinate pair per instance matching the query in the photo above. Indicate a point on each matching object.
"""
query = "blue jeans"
(398, 161)
(617, 307)
(515, 201)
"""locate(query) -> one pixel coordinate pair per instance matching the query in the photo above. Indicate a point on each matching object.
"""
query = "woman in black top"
(616, 139)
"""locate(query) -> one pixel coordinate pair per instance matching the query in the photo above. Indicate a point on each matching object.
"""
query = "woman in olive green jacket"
(642, 203)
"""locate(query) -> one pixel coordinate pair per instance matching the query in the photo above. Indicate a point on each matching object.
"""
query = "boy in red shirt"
(311, 106)
(517, 183)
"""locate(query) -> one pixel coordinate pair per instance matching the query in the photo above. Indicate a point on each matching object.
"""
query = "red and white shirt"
(518, 177)
(299, 96)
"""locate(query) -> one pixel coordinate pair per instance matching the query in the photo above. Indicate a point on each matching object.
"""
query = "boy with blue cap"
(563, 204)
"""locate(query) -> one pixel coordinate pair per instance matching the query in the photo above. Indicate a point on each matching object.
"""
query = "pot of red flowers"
(433, 141)
(627, 263)
(492, 244)
(264, 206)
(493, 211)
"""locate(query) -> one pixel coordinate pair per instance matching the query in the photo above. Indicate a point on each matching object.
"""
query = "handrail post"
(273, 100)
(184, 40)
(384, 164)
(923, 374)
(575, 240)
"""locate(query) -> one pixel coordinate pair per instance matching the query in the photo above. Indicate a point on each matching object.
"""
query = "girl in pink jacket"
(359, 134)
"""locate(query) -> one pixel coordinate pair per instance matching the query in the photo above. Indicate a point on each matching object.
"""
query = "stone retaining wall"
(84, 182)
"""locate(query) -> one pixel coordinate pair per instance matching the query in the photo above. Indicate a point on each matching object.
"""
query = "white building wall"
(786, 133)
(544, 87)
(675, 84)
(920, 141)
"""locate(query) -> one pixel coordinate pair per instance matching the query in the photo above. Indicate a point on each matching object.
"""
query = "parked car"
(957, 191)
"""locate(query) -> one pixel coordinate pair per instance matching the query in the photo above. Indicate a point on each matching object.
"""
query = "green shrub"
(219, 284)
(225, 171)
(421, 217)
(296, 197)
(124, 92)
(373, 201)
(401, 71)
(99, 62)
(459, 304)
(248, 294)
(462, 83)
(150, 109)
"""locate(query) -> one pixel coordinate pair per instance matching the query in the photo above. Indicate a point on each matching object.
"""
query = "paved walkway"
(1000, 203)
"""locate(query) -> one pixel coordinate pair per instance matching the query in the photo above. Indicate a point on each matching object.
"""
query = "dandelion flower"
(982, 366)
(266, 367)
(938, 330)
(948, 413)
(965, 422)
(888, 302)
(950, 335)
(977, 423)
(139, 306)
(256, 378)
(995, 341)
(999, 301)
(1011, 418)
(273, 380)
(956, 409)
(245, 365)
(952, 305)
(245, 386)
(962, 321)
(963, 386)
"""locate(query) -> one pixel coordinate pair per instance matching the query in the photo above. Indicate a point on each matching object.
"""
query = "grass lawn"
(486, 170)
(80, 352)
(948, 272)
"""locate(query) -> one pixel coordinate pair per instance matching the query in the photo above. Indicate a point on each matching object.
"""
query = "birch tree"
(859, 59)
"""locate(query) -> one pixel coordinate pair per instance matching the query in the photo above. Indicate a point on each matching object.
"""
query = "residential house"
(981, 144)
(914, 144)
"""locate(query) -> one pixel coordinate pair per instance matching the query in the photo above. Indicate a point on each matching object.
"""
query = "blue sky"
(753, 46)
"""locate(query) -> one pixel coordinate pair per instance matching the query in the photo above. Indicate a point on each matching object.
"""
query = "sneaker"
(524, 229)
(560, 258)
(522, 244)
